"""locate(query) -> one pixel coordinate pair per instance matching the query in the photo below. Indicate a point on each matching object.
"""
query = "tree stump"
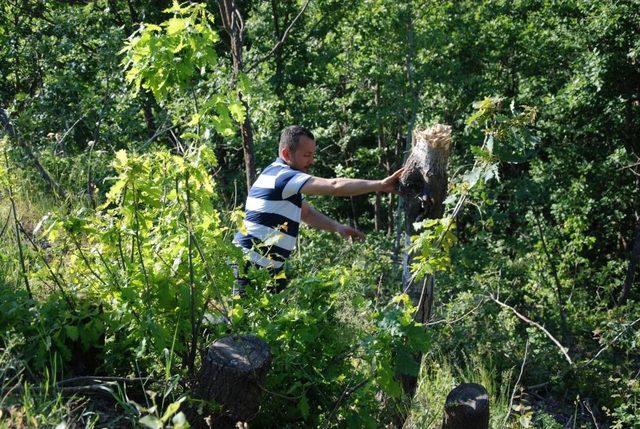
(423, 185)
(231, 375)
(467, 407)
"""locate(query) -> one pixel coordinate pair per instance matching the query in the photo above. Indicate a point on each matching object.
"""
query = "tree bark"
(234, 26)
(424, 187)
(467, 407)
(232, 373)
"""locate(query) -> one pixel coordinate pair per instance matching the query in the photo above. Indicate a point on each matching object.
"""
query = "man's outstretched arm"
(343, 187)
(315, 219)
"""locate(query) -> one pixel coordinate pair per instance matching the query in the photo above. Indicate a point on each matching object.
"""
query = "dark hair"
(290, 137)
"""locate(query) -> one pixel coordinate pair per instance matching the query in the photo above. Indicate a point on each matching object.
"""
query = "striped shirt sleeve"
(292, 183)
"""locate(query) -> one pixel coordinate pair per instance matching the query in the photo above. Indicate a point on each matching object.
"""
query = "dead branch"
(537, 325)
(452, 321)
(515, 387)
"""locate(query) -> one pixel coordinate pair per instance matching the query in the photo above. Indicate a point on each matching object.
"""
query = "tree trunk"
(467, 407)
(631, 270)
(232, 373)
(234, 26)
(380, 140)
(424, 187)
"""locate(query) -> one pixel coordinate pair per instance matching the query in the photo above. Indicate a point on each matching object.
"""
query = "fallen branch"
(102, 379)
(537, 325)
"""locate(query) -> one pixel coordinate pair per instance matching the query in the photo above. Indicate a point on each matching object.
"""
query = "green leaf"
(176, 25)
(244, 84)
(406, 363)
(237, 111)
(151, 422)
(72, 332)
(195, 119)
(303, 407)
(179, 421)
(172, 409)
(473, 176)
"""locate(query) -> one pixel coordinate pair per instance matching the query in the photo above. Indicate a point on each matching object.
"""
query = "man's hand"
(389, 184)
(348, 232)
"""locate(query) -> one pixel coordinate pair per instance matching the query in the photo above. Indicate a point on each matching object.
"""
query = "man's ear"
(286, 154)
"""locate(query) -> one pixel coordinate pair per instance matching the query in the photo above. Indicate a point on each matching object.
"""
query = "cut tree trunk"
(231, 376)
(467, 407)
(424, 187)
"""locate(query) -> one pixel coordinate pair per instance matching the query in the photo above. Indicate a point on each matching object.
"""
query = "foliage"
(166, 56)
(439, 377)
(154, 254)
(552, 236)
(334, 347)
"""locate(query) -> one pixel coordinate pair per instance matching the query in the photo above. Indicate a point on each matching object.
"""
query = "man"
(275, 205)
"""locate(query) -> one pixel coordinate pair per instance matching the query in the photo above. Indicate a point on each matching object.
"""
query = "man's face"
(303, 157)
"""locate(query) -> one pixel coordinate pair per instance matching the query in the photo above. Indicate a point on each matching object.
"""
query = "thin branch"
(515, 387)
(66, 133)
(102, 379)
(10, 130)
(348, 391)
(451, 322)
(17, 234)
(37, 249)
(606, 346)
(279, 395)
(282, 40)
(593, 418)
(6, 223)
(556, 279)
(537, 325)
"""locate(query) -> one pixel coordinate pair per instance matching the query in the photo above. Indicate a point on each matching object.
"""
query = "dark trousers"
(242, 282)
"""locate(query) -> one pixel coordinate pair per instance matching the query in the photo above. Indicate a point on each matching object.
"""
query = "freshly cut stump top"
(244, 354)
(233, 370)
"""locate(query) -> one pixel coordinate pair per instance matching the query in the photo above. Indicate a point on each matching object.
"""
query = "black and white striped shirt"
(272, 218)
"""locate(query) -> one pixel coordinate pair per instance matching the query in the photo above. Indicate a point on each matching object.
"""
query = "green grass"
(24, 404)
(439, 376)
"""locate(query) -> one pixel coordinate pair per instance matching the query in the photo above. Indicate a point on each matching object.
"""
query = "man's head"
(297, 147)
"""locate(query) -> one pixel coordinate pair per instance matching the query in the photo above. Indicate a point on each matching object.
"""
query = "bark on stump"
(467, 407)
(232, 372)
(423, 185)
